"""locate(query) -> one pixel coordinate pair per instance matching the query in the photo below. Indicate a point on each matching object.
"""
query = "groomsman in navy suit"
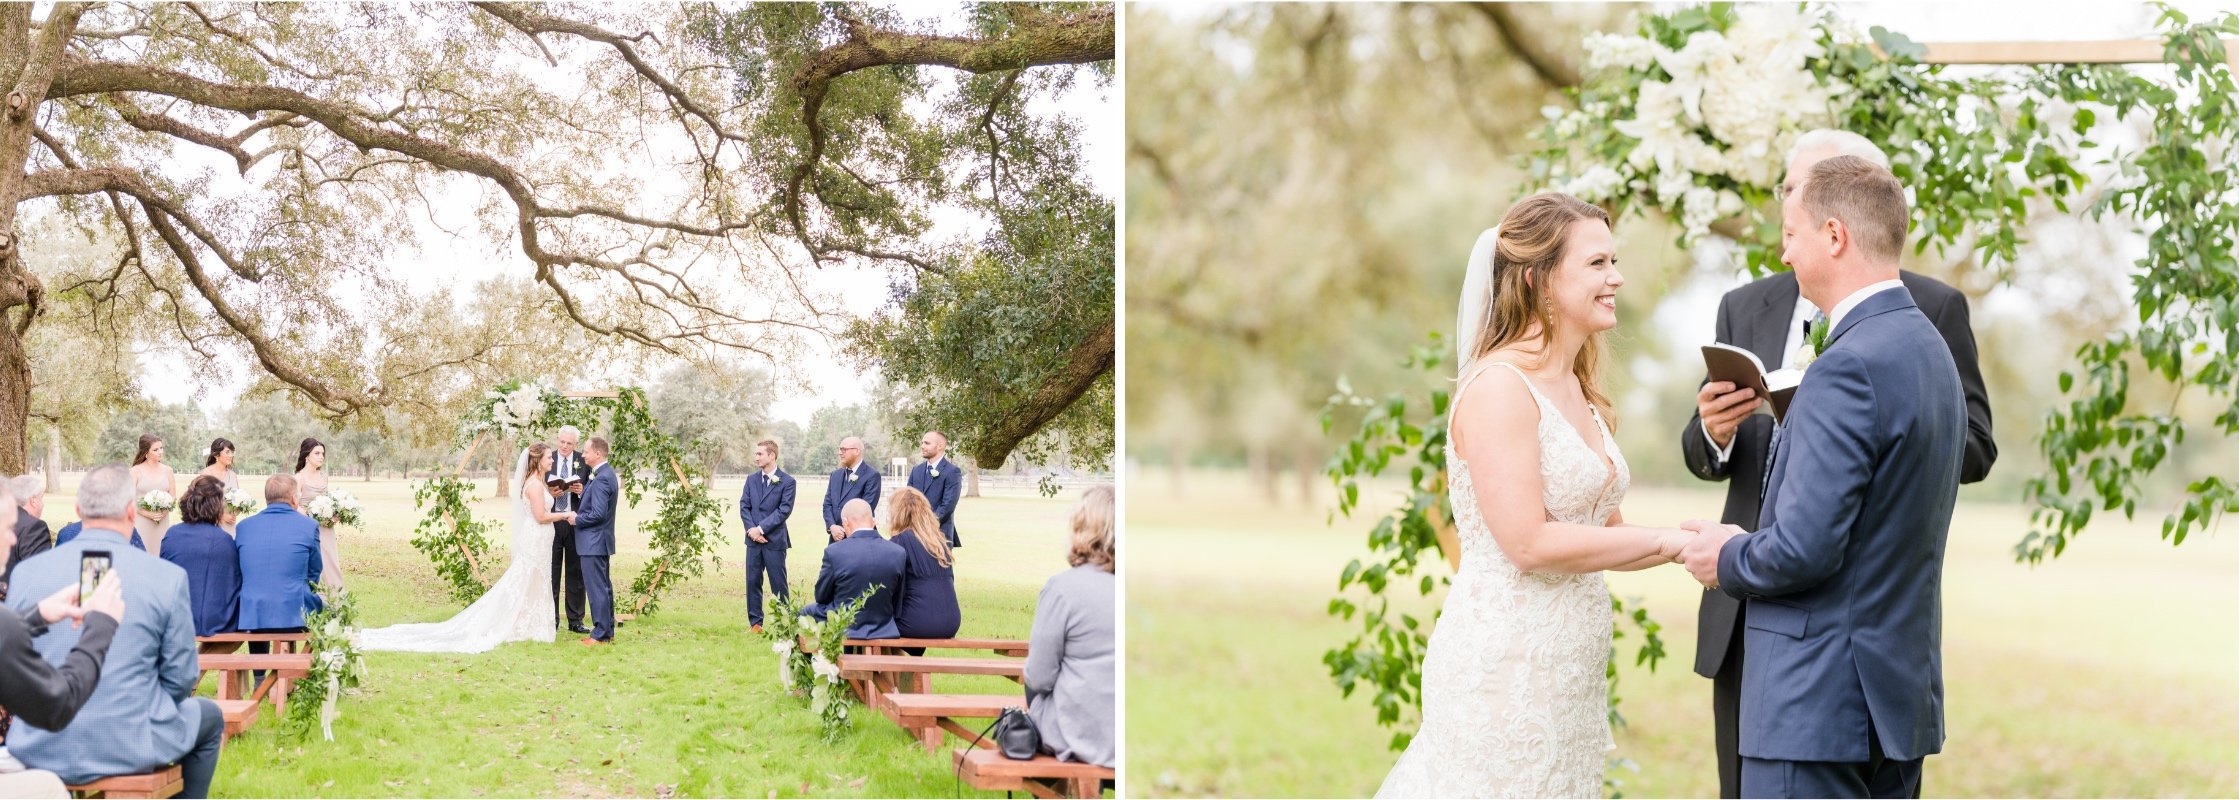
(851, 481)
(940, 481)
(763, 506)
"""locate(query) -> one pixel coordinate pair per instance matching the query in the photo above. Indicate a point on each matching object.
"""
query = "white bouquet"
(239, 502)
(335, 509)
(517, 410)
(158, 501)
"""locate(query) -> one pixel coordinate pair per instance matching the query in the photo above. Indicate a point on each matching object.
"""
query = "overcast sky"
(454, 254)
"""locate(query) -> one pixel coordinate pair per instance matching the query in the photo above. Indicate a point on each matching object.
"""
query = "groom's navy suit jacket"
(1843, 578)
(942, 491)
(1756, 317)
(594, 519)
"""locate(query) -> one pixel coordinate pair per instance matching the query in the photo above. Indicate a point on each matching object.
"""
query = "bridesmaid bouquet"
(157, 502)
(239, 502)
(335, 509)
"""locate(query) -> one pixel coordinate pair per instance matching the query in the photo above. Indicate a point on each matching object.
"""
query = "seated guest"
(1070, 660)
(32, 535)
(204, 550)
(855, 565)
(143, 716)
(928, 597)
(279, 551)
(42, 694)
(70, 531)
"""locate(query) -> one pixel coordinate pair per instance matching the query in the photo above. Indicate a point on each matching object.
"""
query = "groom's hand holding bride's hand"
(1669, 543)
(1700, 556)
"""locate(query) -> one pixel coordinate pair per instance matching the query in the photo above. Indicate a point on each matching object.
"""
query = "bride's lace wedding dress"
(517, 608)
(1515, 696)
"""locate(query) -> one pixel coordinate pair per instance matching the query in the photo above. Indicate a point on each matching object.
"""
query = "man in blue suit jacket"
(853, 480)
(143, 714)
(940, 481)
(279, 549)
(1842, 676)
(854, 565)
(594, 541)
(764, 504)
(71, 530)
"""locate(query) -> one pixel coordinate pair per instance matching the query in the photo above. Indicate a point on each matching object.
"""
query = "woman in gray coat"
(1072, 660)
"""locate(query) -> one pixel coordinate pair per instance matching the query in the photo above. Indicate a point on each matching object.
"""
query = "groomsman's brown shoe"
(757, 629)
(590, 642)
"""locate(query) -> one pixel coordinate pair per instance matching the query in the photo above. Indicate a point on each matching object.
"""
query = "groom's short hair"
(769, 443)
(597, 445)
(1866, 197)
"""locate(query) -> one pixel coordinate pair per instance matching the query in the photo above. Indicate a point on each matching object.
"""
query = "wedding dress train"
(517, 608)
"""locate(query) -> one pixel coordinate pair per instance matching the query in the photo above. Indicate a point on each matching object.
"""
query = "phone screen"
(92, 566)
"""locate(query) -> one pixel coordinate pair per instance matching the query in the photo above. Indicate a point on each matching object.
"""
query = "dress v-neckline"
(1608, 464)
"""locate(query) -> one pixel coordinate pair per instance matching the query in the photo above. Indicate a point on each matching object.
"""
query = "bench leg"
(1041, 788)
(930, 737)
(1085, 787)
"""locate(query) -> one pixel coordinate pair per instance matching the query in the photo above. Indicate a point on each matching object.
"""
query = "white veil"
(1477, 283)
(520, 506)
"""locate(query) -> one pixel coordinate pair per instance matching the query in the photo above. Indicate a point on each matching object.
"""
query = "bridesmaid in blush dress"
(219, 465)
(150, 474)
(311, 482)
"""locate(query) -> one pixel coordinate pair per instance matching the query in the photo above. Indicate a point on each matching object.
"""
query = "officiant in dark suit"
(940, 481)
(763, 505)
(1724, 441)
(569, 469)
(852, 480)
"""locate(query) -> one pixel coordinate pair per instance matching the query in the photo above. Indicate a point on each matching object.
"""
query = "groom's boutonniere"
(773, 480)
(935, 471)
(851, 476)
(1815, 340)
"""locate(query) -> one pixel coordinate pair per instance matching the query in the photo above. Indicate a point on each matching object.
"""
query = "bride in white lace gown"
(518, 607)
(1514, 688)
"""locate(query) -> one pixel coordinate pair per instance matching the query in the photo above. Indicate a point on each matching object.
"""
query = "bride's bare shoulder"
(1494, 401)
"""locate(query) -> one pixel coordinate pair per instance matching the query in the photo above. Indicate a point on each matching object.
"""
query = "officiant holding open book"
(565, 479)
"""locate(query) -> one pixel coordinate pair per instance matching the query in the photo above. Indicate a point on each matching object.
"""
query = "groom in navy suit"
(594, 541)
(940, 481)
(853, 480)
(1842, 678)
(763, 505)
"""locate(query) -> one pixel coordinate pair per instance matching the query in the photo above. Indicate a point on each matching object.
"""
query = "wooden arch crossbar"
(2108, 51)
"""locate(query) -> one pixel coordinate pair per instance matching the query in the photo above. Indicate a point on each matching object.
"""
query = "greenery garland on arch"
(683, 534)
(1692, 117)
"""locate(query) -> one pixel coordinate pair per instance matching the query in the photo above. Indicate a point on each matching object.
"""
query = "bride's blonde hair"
(1531, 243)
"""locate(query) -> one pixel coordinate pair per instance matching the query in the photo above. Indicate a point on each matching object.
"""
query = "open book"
(1743, 369)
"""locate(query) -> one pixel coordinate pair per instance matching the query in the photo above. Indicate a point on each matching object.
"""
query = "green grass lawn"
(2108, 672)
(687, 703)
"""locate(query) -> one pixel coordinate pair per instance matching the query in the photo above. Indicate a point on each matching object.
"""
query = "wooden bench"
(239, 714)
(874, 675)
(232, 642)
(167, 782)
(281, 670)
(1043, 776)
(926, 715)
(1015, 648)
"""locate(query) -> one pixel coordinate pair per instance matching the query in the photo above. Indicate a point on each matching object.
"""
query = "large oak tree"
(260, 164)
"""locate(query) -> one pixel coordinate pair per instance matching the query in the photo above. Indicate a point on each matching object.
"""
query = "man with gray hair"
(32, 534)
(1724, 441)
(143, 716)
(568, 470)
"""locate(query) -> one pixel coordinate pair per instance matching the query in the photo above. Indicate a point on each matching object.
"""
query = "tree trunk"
(971, 476)
(366, 464)
(1260, 464)
(54, 459)
(15, 389)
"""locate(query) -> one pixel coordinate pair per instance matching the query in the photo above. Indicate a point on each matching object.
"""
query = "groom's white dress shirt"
(1803, 313)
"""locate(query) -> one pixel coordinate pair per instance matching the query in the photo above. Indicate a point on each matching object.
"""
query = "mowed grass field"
(687, 703)
(2110, 672)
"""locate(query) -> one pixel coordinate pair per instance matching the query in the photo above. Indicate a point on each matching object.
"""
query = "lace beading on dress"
(1514, 685)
